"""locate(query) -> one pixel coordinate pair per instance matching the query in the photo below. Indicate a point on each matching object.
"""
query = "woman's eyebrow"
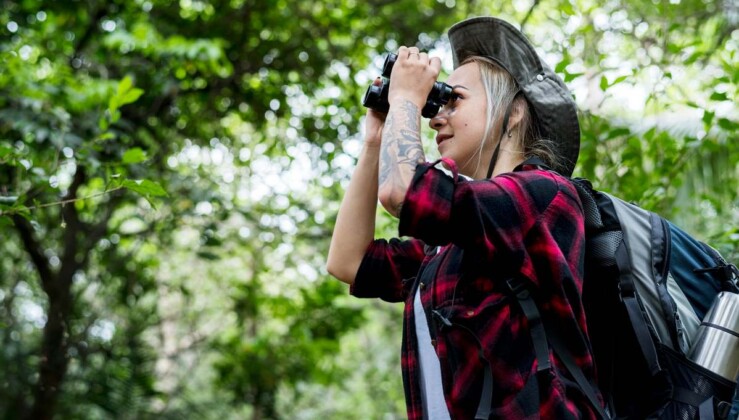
(459, 86)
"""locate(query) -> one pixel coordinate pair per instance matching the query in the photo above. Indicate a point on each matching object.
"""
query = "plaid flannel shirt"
(526, 224)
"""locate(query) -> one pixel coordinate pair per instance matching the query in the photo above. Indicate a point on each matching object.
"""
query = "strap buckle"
(625, 290)
(518, 288)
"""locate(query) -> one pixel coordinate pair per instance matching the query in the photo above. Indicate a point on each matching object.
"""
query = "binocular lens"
(376, 95)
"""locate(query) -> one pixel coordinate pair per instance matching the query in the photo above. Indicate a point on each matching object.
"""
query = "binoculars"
(376, 95)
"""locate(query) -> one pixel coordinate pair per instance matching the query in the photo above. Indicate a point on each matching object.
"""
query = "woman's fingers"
(435, 63)
(413, 74)
(406, 52)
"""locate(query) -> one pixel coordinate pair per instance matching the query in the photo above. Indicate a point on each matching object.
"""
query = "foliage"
(170, 171)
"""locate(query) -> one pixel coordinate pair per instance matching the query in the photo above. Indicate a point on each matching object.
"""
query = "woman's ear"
(517, 112)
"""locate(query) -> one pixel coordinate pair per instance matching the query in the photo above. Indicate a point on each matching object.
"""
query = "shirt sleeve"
(386, 269)
(489, 216)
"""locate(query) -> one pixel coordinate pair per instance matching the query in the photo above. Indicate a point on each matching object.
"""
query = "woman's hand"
(373, 125)
(413, 76)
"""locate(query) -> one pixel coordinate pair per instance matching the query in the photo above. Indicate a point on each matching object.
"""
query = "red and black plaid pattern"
(526, 224)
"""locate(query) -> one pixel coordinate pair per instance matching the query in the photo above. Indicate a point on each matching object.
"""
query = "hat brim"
(556, 111)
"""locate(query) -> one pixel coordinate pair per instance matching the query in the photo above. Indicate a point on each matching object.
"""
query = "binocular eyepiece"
(376, 95)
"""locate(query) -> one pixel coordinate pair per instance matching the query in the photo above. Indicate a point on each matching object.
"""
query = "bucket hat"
(555, 110)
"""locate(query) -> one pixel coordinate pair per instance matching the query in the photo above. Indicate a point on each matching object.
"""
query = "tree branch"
(92, 27)
(35, 251)
(528, 14)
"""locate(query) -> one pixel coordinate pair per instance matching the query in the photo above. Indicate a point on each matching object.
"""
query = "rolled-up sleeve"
(386, 268)
(427, 208)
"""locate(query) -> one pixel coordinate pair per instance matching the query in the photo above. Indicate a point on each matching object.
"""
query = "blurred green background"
(170, 173)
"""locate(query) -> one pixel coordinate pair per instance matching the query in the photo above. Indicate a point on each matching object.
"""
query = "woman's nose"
(438, 121)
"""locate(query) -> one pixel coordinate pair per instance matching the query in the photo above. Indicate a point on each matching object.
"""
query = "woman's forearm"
(401, 152)
(355, 222)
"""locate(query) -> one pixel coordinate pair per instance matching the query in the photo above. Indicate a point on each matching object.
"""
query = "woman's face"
(461, 123)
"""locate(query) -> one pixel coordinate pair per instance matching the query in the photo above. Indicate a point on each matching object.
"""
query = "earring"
(510, 134)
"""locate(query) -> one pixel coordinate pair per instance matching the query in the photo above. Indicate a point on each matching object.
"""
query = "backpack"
(647, 287)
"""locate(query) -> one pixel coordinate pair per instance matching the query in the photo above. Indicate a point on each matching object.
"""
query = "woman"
(468, 350)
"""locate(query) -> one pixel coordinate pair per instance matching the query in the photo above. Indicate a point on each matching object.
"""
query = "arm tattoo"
(401, 148)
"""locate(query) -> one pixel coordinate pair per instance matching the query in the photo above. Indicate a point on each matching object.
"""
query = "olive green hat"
(556, 112)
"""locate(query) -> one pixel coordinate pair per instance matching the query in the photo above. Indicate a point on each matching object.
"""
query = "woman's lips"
(442, 137)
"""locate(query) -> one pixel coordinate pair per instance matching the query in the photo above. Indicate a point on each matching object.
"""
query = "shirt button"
(540, 77)
(422, 286)
(433, 343)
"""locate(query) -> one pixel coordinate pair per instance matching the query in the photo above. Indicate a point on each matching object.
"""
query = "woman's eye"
(451, 103)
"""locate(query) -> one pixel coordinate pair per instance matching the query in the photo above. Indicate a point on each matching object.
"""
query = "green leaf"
(131, 96)
(134, 155)
(125, 94)
(207, 255)
(719, 96)
(693, 57)
(105, 136)
(22, 211)
(566, 8)
(124, 86)
(115, 116)
(618, 80)
(649, 134)
(727, 124)
(708, 117)
(572, 76)
(5, 151)
(603, 83)
(618, 132)
(562, 65)
(144, 187)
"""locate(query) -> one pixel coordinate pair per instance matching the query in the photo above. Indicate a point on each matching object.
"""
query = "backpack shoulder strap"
(544, 334)
(533, 161)
(560, 348)
(627, 294)
(605, 226)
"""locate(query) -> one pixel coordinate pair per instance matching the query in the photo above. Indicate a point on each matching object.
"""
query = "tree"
(169, 173)
(103, 105)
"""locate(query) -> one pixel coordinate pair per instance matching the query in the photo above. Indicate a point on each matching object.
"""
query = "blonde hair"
(501, 90)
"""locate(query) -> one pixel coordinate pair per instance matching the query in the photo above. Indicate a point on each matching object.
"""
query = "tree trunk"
(54, 361)
(77, 241)
(53, 365)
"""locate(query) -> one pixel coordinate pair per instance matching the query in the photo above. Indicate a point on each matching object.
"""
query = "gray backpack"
(648, 287)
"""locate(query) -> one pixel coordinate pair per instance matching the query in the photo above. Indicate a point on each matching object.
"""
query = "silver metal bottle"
(716, 345)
